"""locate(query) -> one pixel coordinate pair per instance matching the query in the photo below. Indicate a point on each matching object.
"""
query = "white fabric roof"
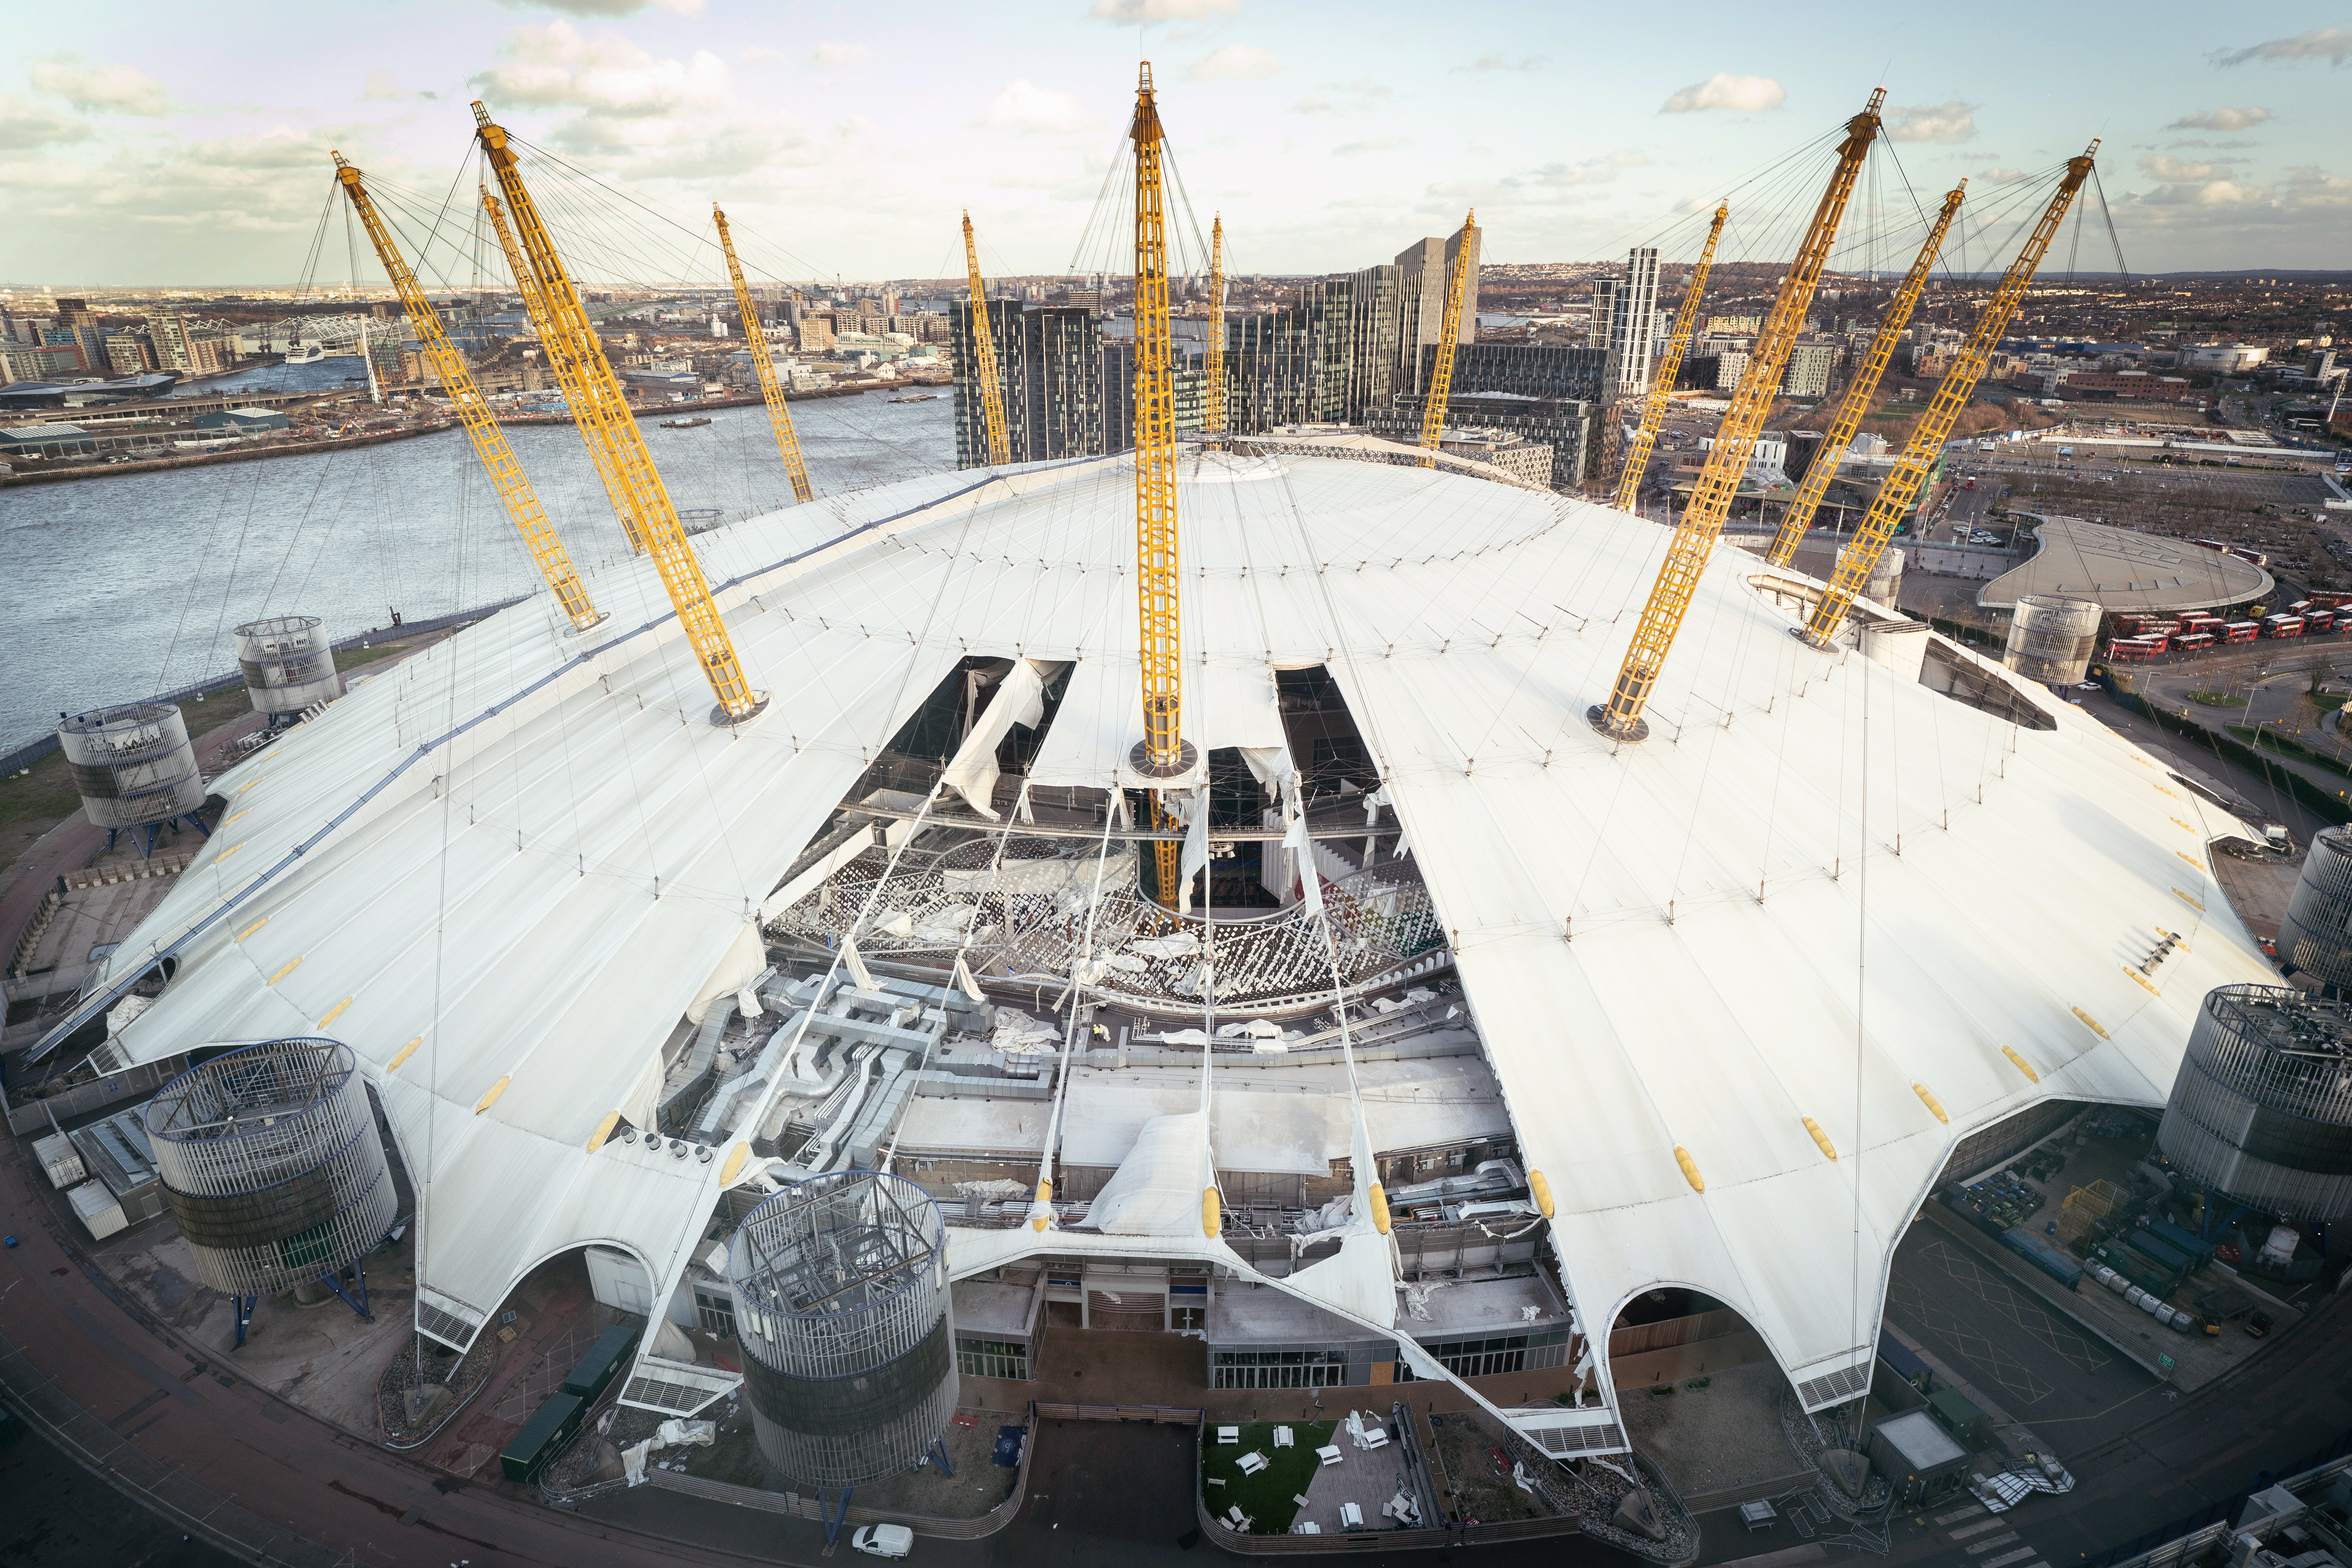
(562, 876)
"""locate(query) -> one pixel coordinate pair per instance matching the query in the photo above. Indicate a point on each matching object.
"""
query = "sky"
(141, 145)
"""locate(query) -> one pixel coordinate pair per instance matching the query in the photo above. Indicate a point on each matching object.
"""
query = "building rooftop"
(2125, 570)
(1487, 1305)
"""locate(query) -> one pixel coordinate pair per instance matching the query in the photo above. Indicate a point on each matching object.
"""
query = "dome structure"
(1740, 985)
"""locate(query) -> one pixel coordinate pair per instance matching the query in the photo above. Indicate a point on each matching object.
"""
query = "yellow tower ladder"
(1214, 405)
(565, 366)
(1667, 372)
(490, 444)
(1441, 381)
(984, 355)
(1952, 394)
(607, 422)
(780, 414)
(1719, 482)
(1799, 515)
(1162, 753)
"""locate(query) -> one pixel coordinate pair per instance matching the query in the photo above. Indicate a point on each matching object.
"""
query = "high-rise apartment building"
(129, 355)
(1625, 310)
(171, 338)
(1808, 375)
(1425, 270)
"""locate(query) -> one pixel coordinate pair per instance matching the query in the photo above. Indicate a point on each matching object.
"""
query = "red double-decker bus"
(2241, 631)
(2189, 642)
(2282, 626)
(2124, 650)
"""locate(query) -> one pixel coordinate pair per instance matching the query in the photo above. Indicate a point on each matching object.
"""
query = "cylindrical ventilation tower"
(2261, 1110)
(288, 665)
(271, 1163)
(2316, 935)
(2052, 639)
(133, 764)
(841, 1298)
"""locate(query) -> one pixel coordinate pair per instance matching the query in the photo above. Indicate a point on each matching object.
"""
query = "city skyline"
(134, 154)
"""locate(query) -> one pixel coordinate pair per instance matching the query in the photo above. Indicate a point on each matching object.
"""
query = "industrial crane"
(780, 414)
(1162, 752)
(1799, 515)
(1719, 482)
(1214, 404)
(984, 355)
(1895, 494)
(608, 425)
(1441, 381)
(497, 457)
(566, 368)
(1668, 370)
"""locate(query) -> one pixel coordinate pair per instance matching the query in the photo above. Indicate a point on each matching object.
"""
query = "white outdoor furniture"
(1310, 1528)
(1329, 1454)
(1282, 1437)
(1251, 1464)
(1229, 1434)
(1298, 1498)
(1350, 1517)
(1376, 1437)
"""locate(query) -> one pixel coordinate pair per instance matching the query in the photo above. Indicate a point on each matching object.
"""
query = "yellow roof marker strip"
(1820, 1137)
(227, 853)
(290, 966)
(2182, 826)
(491, 1099)
(735, 1158)
(2094, 1023)
(336, 1011)
(404, 1052)
(1690, 1169)
(604, 1131)
(2161, 790)
(2021, 1063)
(251, 929)
(227, 820)
(1931, 1103)
(2184, 897)
(2174, 937)
(2190, 859)
(2144, 982)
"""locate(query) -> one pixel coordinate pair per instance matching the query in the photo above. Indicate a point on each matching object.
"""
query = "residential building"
(1565, 428)
(1629, 308)
(44, 361)
(173, 343)
(129, 355)
(1425, 270)
(1808, 375)
(1528, 370)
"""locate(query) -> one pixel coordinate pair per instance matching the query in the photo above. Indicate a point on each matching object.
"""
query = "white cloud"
(1739, 94)
(1314, 104)
(832, 56)
(89, 85)
(2219, 120)
(1130, 12)
(2173, 169)
(556, 66)
(1499, 63)
(2333, 44)
(25, 123)
(1377, 144)
(2001, 176)
(2204, 192)
(1947, 122)
(1597, 170)
(1025, 106)
(382, 84)
(1236, 62)
(608, 7)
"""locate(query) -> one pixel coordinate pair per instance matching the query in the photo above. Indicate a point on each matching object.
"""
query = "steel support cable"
(1041, 1213)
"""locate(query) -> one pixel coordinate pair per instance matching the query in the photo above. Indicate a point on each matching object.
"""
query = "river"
(116, 587)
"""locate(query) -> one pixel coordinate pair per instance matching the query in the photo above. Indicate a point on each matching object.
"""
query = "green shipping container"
(603, 1362)
(542, 1435)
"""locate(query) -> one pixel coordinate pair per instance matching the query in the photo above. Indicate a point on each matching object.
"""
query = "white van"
(884, 1539)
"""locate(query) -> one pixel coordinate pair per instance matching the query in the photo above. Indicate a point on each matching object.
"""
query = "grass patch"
(2270, 741)
(2216, 699)
(2327, 701)
(1266, 1496)
(34, 802)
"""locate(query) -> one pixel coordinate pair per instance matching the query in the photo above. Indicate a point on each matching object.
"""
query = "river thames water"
(116, 587)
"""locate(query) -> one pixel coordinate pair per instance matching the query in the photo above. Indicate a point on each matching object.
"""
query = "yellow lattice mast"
(1668, 370)
(607, 422)
(1440, 381)
(1214, 407)
(1727, 462)
(1799, 515)
(497, 457)
(566, 367)
(780, 414)
(984, 355)
(1919, 453)
(1161, 753)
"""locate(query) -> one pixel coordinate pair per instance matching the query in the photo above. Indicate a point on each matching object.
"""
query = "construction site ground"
(1717, 1437)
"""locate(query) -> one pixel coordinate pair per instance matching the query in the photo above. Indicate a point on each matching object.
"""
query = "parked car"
(884, 1539)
